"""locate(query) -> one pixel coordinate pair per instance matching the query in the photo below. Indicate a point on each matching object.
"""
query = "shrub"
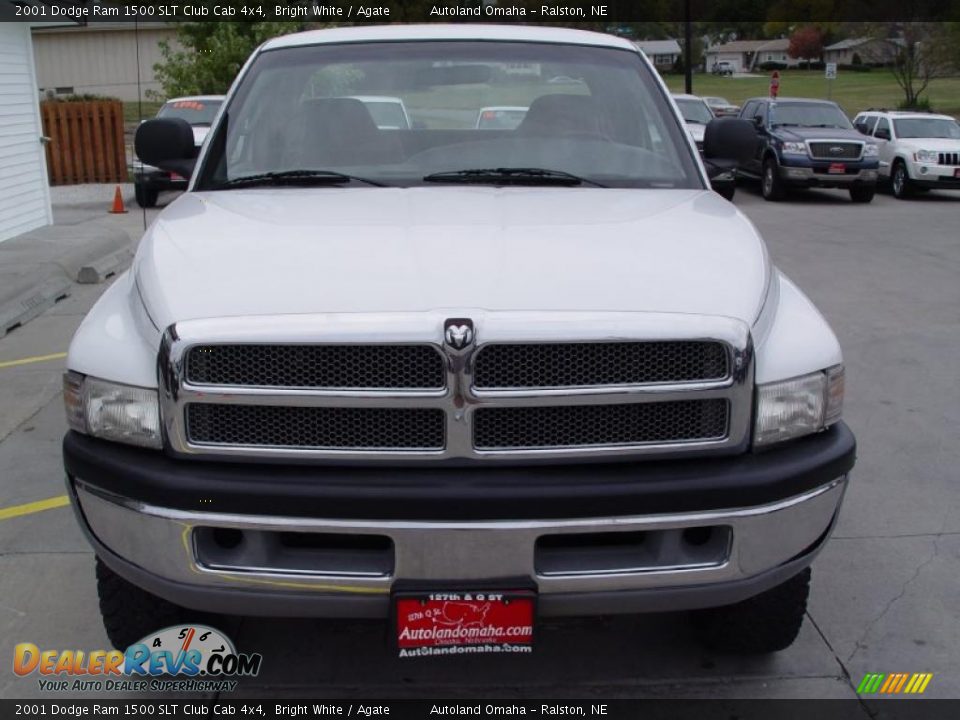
(921, 104)
(770, 65)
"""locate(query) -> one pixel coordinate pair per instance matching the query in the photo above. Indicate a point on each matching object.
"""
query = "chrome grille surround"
(820, 149)
(458, 399)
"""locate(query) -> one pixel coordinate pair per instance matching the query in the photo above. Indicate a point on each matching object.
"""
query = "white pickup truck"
(459, 379)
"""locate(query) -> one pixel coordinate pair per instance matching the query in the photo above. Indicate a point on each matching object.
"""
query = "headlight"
(111, 411)
(795, 148)
(871, 150)
(927, 156)
(799, 406)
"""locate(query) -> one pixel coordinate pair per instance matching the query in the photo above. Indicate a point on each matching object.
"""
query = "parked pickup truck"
(456, 378)
(808, 143)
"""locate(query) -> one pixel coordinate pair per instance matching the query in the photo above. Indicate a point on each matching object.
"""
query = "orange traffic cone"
(118, 208)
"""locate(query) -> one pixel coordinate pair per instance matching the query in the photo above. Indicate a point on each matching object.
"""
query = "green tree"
(207, 56)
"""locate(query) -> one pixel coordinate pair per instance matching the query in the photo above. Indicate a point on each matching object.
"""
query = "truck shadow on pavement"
(616, 656)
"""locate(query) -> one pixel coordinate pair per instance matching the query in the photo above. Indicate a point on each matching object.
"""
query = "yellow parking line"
(34, 507)
(34, 359)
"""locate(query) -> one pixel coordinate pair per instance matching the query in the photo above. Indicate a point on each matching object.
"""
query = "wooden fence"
(86, 142)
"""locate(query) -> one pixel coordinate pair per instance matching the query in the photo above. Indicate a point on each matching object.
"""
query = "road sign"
(830, 71)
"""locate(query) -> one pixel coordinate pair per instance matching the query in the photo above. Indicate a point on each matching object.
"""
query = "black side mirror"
(882, 134)
(758, 121)
(729, 141)
(168, 144)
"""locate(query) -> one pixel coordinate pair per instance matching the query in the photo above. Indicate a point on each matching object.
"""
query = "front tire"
(765, 623)
(863, 194)
(130, 613)
(900, 181)
(771, 186)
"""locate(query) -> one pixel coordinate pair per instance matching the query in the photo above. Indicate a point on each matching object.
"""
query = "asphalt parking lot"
(884, 595)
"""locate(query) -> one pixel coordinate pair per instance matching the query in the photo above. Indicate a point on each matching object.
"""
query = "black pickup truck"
(808, 143)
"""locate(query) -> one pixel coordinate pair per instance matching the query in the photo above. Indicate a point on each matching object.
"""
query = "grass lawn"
(853, 91)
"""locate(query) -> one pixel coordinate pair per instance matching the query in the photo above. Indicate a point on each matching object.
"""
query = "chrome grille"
(316, 366)
(510, 428)
(825, 150)
(537, 385)
(948, 158)
(338, 428)
(547, 365)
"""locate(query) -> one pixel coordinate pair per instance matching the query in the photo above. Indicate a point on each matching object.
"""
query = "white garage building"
(24, 188)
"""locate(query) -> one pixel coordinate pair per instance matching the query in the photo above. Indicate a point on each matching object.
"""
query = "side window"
(760, 111)
(871, 123)
(748, 109)
(882, 125)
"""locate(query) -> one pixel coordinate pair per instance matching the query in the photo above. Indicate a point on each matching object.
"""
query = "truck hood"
(330, 250)
(935, 144)
(805, 133)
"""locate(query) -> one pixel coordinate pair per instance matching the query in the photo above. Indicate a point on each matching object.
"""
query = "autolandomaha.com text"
(506, 710)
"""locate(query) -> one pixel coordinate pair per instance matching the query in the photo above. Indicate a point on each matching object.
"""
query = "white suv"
(918, 151)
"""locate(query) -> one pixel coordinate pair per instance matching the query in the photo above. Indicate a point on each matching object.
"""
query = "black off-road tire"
(762, 624)
(863, 193)
(771, 185)
(129, 613)
(146, 197)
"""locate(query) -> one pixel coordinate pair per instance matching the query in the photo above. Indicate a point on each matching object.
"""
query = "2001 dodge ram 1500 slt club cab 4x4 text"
(453, 377)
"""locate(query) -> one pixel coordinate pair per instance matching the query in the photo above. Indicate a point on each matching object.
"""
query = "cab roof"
(464, 31)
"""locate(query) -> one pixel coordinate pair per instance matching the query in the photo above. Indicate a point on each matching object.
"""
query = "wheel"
(770, 183)
(765, 623)
(146, 197)
(900, 181)
(128, 612)
(863, 193)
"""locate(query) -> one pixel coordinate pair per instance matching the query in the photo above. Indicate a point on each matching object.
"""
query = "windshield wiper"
(296, 177)
(513, 176)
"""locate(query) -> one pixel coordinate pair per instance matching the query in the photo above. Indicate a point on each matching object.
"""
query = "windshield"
(927, 128)
(470, 105)
(808, 115)
(694, 111)
(195, 112)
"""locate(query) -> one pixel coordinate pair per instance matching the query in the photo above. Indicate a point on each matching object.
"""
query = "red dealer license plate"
(837, 168)
(956, 172)
(458, 623)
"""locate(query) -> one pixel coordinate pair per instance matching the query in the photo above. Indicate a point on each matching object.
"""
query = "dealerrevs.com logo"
(180, 658)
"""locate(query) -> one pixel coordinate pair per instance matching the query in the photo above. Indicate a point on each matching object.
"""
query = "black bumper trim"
(463, 493)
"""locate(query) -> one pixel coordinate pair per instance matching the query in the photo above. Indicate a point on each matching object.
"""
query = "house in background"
(739, 53)
(776, 51)
(24, 189)
(99, 58)
(868, 51)
(662, 53)
(747, 55)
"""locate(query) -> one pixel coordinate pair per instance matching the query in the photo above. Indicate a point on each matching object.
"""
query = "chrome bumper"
(808, 174)
(167, 544)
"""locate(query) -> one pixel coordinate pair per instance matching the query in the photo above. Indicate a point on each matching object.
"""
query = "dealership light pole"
(687, 49)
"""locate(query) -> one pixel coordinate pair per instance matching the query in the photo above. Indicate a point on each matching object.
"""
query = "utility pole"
(687, 49)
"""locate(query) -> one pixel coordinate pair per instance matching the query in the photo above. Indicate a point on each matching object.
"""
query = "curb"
(26, 305)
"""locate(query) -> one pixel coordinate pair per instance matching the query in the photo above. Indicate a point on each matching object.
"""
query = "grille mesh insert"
(849, 151)
(317, 366)
(329, 428)
(581, 425)
(589, 364)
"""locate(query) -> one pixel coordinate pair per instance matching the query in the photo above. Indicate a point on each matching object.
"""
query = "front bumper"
(665, 549)
(818, 175)
(931, 176)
